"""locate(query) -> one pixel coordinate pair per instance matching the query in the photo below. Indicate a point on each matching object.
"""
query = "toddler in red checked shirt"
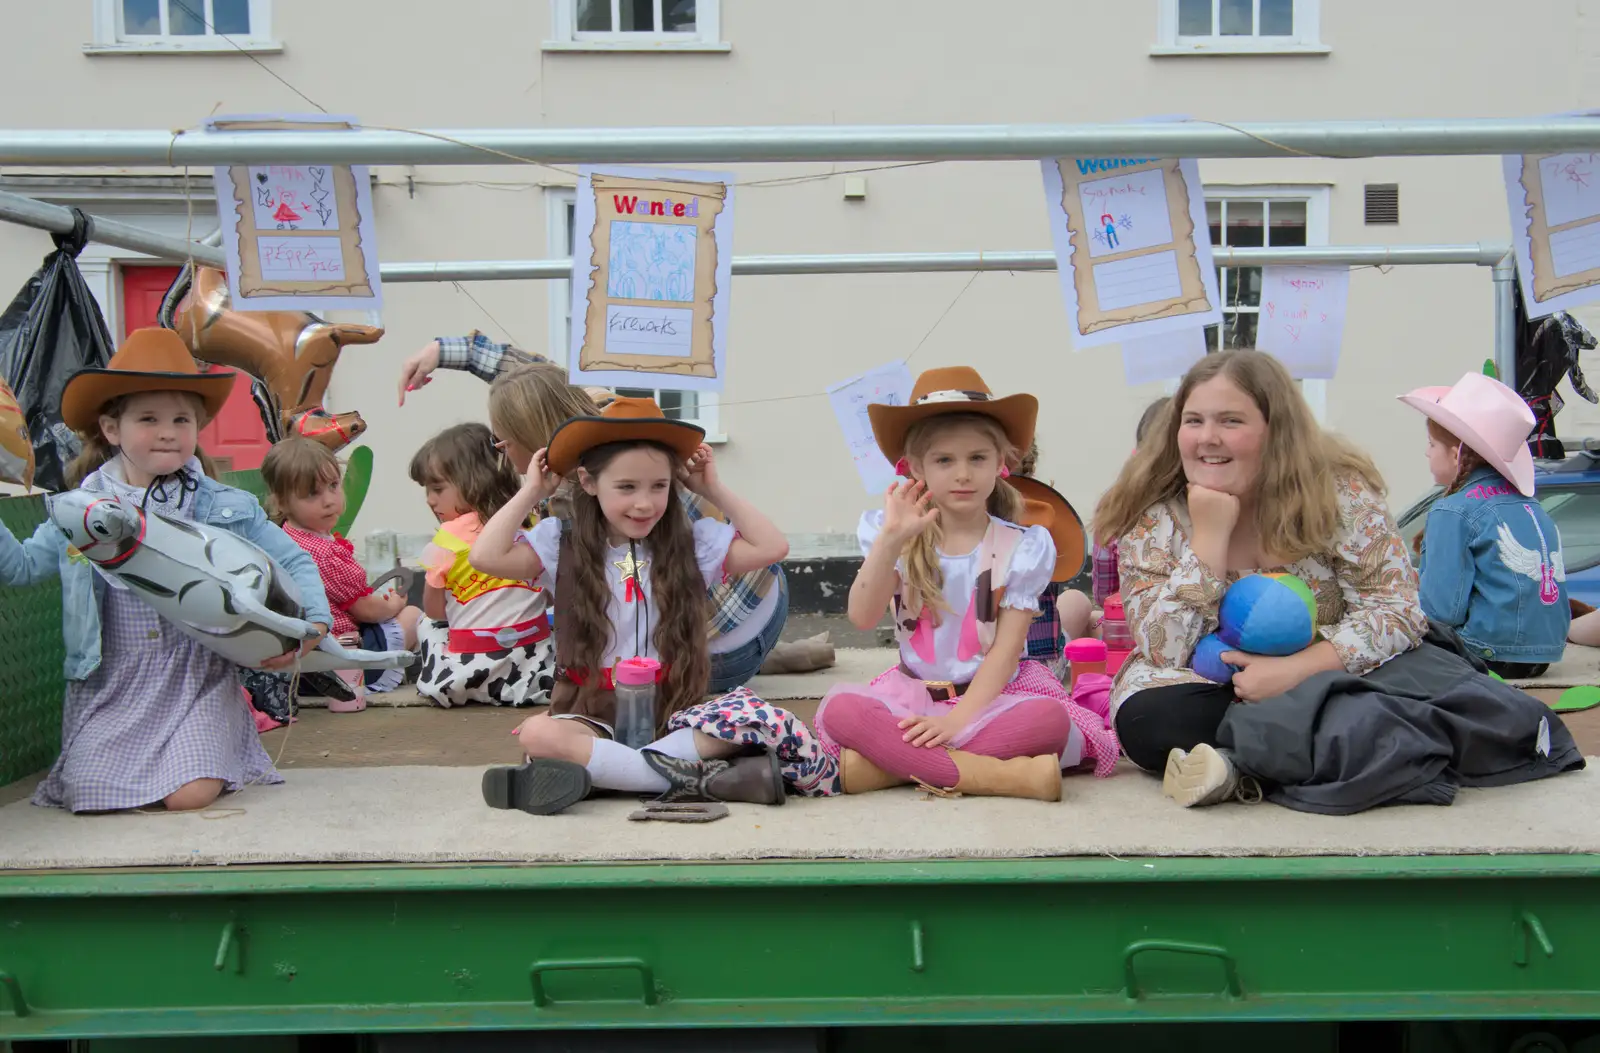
(308, 498)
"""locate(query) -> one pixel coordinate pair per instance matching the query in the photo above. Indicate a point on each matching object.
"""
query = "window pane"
(186, 18)
(1211, 338)
(638, 16)
(1194, 18)
(572, 211)
(141, 17)
(677, 16)
(230, 16)
(1286, 223)
(1577, 516)
(676, 405)
(594, 16)
(1237, 18)
(1239, 330)
(1242, 287)
(1277, 18)
(1214, 221)
(1246, 225)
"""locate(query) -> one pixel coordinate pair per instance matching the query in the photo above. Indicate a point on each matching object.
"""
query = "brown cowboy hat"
(1043, 506)
(623, 420)
(955, 389)
(149, 360)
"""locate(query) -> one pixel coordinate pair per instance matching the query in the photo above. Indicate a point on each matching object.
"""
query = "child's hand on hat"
(699, 472)
(540, 481)
(908, 510)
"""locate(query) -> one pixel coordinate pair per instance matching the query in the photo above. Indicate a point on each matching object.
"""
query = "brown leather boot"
(753, 780)
(1038, 778)
(859, 775)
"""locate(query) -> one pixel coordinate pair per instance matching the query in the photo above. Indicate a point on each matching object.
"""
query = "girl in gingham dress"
(308, 500)
(152, 717)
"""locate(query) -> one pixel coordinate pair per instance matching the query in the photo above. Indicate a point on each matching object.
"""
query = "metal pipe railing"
(979, 142)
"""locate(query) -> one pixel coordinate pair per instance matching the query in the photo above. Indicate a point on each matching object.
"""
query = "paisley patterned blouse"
(1366, 590)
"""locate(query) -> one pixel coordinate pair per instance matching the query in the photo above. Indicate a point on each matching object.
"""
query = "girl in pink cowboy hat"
(1491, 556)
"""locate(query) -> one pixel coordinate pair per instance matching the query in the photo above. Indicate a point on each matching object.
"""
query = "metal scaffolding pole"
(1505, 319)
(41, 215)
(980, 142)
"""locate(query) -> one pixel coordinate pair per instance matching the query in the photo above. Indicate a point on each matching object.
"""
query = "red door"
(236, 440)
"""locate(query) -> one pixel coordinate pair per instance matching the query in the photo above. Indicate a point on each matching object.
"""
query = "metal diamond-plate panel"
(32, 654)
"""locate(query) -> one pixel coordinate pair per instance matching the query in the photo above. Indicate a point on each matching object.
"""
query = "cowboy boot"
(859, 775)
(1038, 778)
(539, 786)
(754, 780)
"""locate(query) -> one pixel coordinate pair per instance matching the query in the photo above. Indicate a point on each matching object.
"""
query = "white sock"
(613, 766)
(1072, 753)
(679, 744)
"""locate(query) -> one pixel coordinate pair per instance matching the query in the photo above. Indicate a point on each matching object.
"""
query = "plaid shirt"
(732, 601)
(343, 579)
(1107, 580)
(1045, 641)
(482, 357)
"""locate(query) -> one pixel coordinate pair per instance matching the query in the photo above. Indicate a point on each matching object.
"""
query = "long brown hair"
(528, 403)
(583, 590)
(1467, 462)
(1297, 504)
(924, 580)
(293, 468)
(464, 456)
(97, 451)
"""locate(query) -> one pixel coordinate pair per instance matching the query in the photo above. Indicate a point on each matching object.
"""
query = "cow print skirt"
(520, 676)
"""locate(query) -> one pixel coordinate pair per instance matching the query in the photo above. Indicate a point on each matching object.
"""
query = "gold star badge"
(631, 566)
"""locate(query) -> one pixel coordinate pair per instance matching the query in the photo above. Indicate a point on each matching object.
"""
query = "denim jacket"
(1492, 570)
(46, 552)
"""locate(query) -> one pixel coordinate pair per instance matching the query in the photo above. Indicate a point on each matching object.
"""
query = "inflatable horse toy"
(214, 585)
(292, 353)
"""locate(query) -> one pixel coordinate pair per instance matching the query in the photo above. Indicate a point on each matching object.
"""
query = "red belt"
(607, 681)
(479, 641)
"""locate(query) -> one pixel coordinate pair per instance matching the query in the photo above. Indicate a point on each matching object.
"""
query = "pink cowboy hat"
(1489, 418)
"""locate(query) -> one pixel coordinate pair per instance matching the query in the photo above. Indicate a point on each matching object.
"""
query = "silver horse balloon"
(214, 585)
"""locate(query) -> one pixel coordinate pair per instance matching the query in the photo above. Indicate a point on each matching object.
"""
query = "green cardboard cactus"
(357, 478)
(1489, 370)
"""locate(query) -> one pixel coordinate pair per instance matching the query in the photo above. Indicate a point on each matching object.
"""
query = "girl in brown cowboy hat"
(962, 709)
(151, 716)
(629, 573)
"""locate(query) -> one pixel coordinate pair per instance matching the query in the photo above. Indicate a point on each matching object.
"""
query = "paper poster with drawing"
(888, 385)
(1555, 227)
(652, 264)
(1132, 246)
(297, 236)
(1301, 322)
(1164, 356)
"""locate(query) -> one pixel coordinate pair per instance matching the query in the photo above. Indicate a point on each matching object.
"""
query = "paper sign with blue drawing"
(651, 265)
(1132, 246)
(297, 236)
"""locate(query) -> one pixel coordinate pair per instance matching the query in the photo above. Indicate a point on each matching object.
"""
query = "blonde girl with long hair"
(962, 579)
(1239, 477)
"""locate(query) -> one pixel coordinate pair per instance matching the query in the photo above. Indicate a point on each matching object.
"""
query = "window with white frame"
(1239, 26)
(641, 25)
(1260, 217)
(183, 25)
(696, 407)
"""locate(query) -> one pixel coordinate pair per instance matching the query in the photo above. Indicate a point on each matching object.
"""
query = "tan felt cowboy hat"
(623, 420)
(1490, 418)
(149, 360)
(955, 389)
(1043, 506)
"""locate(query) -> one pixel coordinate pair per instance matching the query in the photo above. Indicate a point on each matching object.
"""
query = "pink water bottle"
(635, 680)
(1114, 631)
(1084, 655)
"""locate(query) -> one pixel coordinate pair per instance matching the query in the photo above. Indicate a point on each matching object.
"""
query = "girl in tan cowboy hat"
(1492, 566)
(962, 709)
(151, 716)
(629, 574)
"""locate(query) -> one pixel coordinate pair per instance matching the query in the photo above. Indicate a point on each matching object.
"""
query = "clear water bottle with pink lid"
(635, 680)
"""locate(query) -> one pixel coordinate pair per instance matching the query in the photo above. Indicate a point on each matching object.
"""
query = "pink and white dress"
(941, 651)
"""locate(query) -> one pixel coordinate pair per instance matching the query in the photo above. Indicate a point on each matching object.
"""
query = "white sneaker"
(1205, 775)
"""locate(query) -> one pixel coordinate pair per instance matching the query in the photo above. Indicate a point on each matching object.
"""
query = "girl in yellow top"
(485, 639)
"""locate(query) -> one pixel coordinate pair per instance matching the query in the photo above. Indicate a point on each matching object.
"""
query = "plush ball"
(1207, 660)
(1268, 614)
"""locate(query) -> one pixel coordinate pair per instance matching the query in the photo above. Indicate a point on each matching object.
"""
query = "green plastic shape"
(1489, 370)
(1574, 699)
(357, 478)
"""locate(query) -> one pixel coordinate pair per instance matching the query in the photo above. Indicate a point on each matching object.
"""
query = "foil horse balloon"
(292, 353)
(214, 585)
(16, 449)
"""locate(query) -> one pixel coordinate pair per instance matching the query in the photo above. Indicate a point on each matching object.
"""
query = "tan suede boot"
(1035, 777)
(859, 775)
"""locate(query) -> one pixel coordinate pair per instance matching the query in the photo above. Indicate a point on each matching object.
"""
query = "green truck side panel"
(797, 944)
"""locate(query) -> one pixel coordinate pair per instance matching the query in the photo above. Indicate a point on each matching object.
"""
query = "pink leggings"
(1028, 729)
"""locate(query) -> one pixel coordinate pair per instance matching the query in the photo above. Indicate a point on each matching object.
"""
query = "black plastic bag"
(51, 330)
